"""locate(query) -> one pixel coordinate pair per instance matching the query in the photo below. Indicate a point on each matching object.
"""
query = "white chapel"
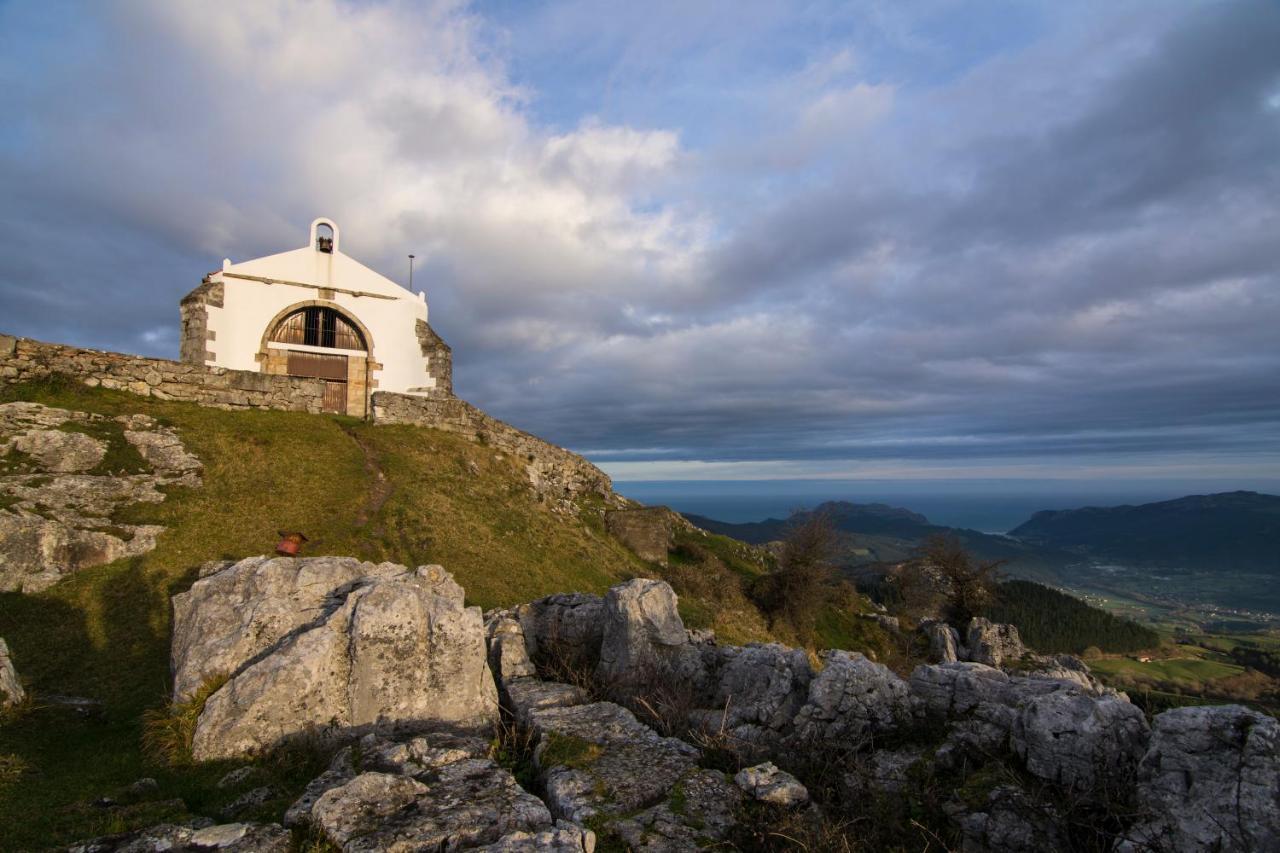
(319, 313)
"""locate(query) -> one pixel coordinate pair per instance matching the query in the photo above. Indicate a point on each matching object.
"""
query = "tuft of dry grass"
(167, 733)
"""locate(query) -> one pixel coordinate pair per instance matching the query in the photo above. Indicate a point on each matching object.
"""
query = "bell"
(290, 543)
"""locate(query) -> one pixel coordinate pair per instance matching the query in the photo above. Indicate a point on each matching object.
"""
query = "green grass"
(103, 633)
(564, 750)
(1189, 668)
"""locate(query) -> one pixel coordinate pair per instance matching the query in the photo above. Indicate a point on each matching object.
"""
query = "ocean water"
(992, 506)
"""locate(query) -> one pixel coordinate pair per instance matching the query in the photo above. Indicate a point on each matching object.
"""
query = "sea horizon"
(990, 506)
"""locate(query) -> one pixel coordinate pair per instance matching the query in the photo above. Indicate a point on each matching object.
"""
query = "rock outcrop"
(1210, 781)
(643, 635)
(851, 700)
(57, 498)
(383, 647)
(198, 837)
(944, 641)
(11, 690)
(767, 784)
(992, 643)
(1077, 741)
(336, 642)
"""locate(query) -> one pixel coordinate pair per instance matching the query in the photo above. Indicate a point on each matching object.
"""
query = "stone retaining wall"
(554, 472)
(23, 360)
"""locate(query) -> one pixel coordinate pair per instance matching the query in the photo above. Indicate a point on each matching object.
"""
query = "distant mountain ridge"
(881, 533)
(1229, 531)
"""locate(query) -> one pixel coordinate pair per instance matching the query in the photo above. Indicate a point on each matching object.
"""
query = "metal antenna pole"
(411, 272)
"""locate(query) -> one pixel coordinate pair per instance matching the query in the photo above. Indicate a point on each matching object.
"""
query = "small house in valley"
(317, 312)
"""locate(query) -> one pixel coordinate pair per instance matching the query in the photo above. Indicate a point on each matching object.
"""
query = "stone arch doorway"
(320, 340)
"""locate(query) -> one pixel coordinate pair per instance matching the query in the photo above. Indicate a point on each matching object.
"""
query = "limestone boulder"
(1077, 741)
(508, 653)
(1209, 781)
(767, 784)
(1010, 821)
(851, 699)
(393, 651)
(993, 643)
(11, 690)
(199, 837)
(60, 452)
(944, 641)
(525, 696)
(754, 691)
(465, 804)
(566, 837)
(697, 814)
(951, 690)
(567, 627)
(236, 611)
(37, 552)
(1067, 668)
(59, 514)
(644, 638)
(599, 760)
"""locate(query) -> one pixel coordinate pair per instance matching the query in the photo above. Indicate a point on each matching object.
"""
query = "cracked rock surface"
(57, 500)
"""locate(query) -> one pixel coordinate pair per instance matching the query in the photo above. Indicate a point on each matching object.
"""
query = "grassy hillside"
(399, 493)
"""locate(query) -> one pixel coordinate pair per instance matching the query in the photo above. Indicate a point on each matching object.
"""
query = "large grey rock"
(60, 518)
(850, 700)
(1067, 668)
(944, 641)
(993, 643)
(597, 759)
(883, 771)
(566, 837)
(1210, 781)
(697, 814)
(754, 691)
(508, 654)
(954, 689)
(37, 552)
(237, 611)
(524, 696)
(60, 452)
(393, 651)
(465, 804)
(767, 784)
(228, 837)
(1010, 822)
(644, 637)
(11, 690)
(567, 627)
(1078, 741)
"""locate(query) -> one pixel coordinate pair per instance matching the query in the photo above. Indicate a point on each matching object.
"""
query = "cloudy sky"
(741, 239)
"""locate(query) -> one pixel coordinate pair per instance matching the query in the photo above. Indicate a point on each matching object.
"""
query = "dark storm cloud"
(1068, 250)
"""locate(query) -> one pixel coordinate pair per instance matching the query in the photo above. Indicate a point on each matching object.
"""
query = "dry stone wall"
(23, 360)
(556, 474)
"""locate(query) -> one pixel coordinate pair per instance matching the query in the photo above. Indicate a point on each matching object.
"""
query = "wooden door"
(331, 368)
(335, 397)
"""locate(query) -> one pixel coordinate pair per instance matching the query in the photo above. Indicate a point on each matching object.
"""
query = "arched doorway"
(320, 341)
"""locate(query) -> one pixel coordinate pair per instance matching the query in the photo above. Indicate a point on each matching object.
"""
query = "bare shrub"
(796, 590)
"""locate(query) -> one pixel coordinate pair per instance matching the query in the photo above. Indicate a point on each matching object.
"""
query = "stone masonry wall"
(195, 347)
(439, 358)
(22, 359)
(555, 473)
